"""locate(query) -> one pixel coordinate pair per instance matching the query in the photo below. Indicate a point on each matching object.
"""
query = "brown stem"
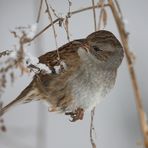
(70, 13)
(39, 12)
(66, 28)
(119, 10)
(123, 35)
(54, 31)
(92, 130)
(94, 15)
(87, 8)
(43, 30)
(54, 12)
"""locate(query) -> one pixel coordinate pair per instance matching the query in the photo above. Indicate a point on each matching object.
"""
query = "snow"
(63, 64)
(58, 68)
(13, 54)
(125, 21)
(44, 68)
(32, 30)
(32, 60)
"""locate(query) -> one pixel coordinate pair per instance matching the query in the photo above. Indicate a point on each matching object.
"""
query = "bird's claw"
(76, 115)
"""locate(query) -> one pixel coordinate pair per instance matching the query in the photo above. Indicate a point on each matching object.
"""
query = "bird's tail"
(9, 106)
(22, 98)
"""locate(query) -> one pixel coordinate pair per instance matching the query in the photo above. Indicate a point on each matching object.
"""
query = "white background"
(116, 120)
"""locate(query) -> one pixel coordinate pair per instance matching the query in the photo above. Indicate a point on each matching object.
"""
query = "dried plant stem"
(87, 8)
(92, 130)
(2, 125)
(53, 10)
(69, 5)
(39, 12)
(4, 53)
(99, 24)
(138, 98)
(43, 30)
(54, 32)
(102, 15)
(119, 10)
(94, 15)
(61, 19)
(66, 27)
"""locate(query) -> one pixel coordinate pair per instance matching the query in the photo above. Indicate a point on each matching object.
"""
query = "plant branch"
(123, 35)
(61, 19)
(103, 15)
(94, 15)
(43, 30)
(54, 32)
(92, 130)
(39, 12)
(87, 8)
(119, 9)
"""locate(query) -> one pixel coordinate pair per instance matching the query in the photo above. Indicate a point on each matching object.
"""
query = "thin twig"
(69, 6)
(66, 27)
(119, 9)
(66, 22)
(43, 30)
(4, 53)
(2, 124)
(39, 12)
(123, 35)
(54, 12)
(103, 15)
(92, 130)
(87, 8)
(54, 32)
(61, 19)
(94, 15)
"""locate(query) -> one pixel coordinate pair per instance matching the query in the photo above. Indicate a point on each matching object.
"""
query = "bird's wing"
(56, 85)
(68, 54)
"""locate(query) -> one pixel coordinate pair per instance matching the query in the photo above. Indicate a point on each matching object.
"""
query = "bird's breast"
(89, 85)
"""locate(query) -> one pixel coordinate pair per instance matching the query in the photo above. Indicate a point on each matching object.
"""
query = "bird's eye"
(96, 48)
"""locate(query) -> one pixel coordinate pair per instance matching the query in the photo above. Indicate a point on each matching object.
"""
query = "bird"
(89, 74)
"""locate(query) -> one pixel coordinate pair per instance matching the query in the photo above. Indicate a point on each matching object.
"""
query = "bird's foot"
(76, 115)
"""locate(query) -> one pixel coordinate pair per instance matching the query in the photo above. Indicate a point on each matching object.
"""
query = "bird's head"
(106, 48)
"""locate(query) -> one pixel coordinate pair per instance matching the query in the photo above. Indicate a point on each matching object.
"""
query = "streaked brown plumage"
(91, 63)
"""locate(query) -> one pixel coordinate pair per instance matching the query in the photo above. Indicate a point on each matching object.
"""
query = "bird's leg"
(76, 115)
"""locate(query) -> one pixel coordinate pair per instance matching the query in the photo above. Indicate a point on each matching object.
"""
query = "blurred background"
(116, 120)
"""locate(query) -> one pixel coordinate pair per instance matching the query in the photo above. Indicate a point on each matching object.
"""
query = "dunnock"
(90, 73)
